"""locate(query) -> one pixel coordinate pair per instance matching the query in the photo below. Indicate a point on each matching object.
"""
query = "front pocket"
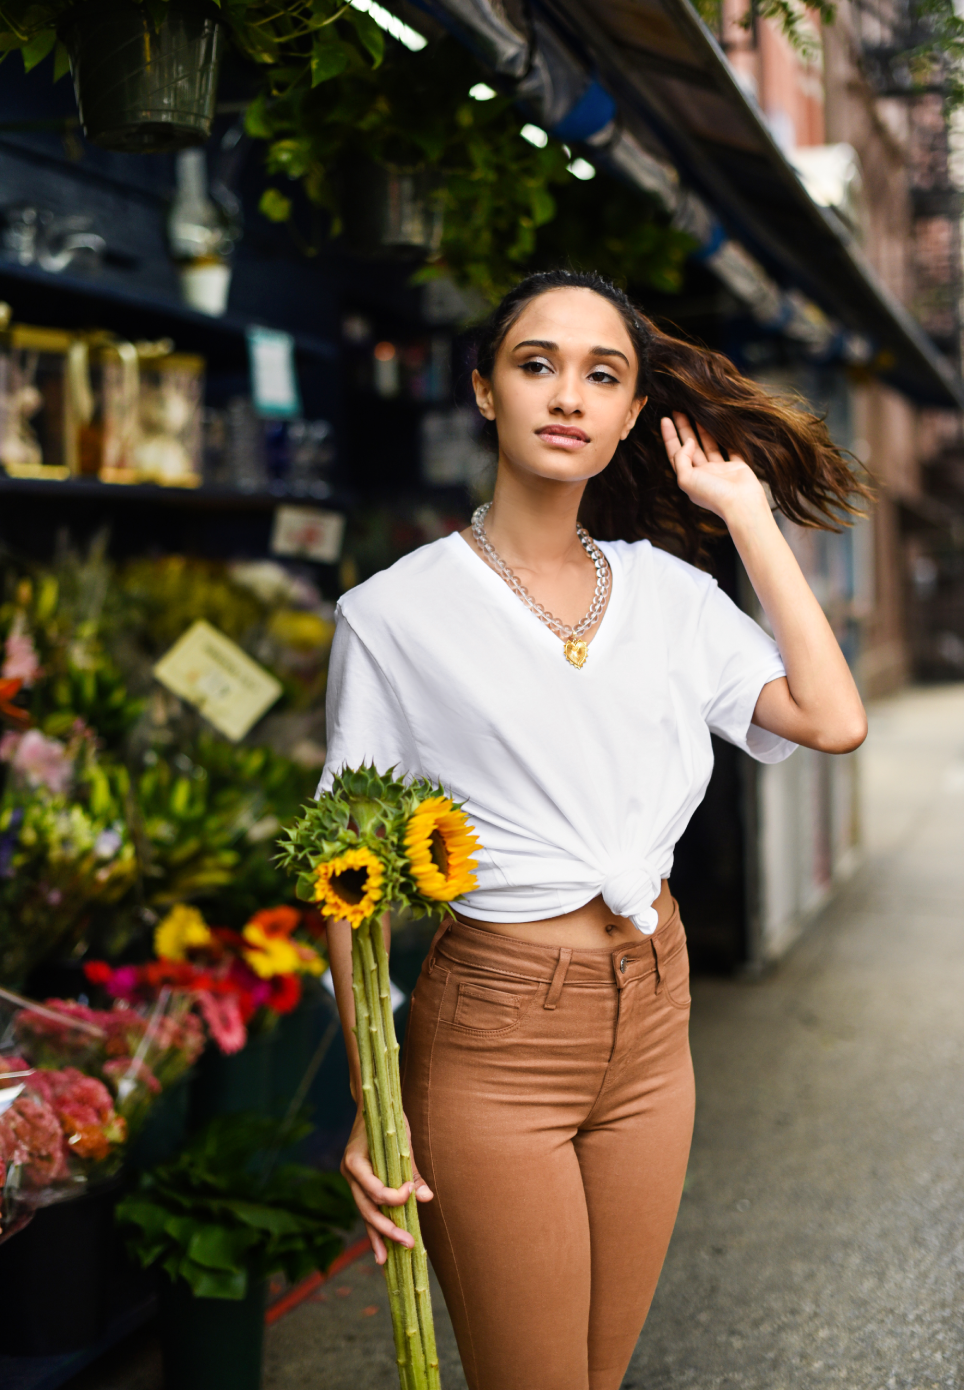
(487, 1010)
(674, 976)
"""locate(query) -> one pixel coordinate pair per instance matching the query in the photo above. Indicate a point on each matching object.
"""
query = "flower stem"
(376, 1149)
(384, 1099)
(423, 1293)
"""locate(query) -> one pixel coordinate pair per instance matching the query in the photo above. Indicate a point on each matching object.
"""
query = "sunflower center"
(350, 885)
(439, 852)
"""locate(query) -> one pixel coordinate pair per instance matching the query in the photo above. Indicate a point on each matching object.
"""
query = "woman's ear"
(632, 414)
(483, 395)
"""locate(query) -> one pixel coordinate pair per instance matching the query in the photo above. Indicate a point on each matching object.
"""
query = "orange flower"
(278, 920)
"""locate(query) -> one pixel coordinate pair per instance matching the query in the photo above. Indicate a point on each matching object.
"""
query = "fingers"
(423, 1193)
(710, 447)
(357, 1169)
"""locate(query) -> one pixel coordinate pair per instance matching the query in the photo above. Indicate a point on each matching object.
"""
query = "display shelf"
(72, 301)
(205, 498)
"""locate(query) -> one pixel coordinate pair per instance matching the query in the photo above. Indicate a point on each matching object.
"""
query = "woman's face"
(563, 388)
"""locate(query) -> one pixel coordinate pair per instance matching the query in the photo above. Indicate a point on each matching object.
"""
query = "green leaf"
(370, 34)
(36, 48)
(61, 62)
(273, 1219)
(217, 1247)
(274, 205)
(328, 60)
(257, 121)
(209, 1283)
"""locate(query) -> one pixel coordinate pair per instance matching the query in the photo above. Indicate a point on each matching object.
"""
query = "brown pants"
(550, 1094)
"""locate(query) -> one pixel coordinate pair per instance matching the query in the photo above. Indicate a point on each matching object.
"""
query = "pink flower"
(20, 655)
(223, 1018)
(120, 1068)
(123, 983)
(43, 762)
(32, 1136)
(9, 743)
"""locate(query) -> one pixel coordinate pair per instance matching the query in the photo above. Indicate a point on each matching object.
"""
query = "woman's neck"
(532, 521)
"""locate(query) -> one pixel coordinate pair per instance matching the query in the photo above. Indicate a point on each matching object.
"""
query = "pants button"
(623, 963)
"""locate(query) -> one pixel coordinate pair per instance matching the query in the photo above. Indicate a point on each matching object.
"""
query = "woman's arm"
(817, 704)
(369, 1193)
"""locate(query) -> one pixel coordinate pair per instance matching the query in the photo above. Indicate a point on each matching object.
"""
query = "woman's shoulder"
(647, 564)
(408, 586)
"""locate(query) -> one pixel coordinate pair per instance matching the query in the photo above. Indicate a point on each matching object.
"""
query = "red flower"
(279, 920)
(98, 972)
(285, 993)
(9, 689)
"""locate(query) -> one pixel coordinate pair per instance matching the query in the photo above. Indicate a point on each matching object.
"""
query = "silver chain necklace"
(574, 649)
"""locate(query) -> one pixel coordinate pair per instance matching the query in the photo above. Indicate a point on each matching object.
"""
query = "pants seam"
(466, 1321)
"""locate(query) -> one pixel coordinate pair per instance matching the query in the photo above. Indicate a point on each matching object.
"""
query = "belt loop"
(446, 926)
(558, 978)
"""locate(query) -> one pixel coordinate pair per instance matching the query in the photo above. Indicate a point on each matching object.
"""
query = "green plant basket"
(143, 89)
(392, 212)
(211, 1343)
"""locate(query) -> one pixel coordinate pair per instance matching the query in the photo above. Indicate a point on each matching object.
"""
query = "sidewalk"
(821, 1238)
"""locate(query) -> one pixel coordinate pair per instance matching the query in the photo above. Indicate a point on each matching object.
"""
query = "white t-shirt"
(578, 781)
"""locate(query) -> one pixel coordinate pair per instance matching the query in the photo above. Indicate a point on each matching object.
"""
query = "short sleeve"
(740, 660)
(366, 723)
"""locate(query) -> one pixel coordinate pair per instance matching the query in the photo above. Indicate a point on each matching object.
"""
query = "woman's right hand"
(370, 1194)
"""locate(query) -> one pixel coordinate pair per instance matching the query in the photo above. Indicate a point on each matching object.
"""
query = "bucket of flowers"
(239, 983)
(76, 1084)
(371, 843)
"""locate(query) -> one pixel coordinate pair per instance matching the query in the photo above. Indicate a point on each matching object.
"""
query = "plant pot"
(54, 1276)
(141, 89)
(165, 1127)
(211, 1343)
(226, 1085)
(391, 211)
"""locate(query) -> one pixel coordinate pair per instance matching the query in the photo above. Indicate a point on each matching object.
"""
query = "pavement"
(820, 1241)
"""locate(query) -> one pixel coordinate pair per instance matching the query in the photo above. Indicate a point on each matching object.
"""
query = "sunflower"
(440, 844)
(350, 886)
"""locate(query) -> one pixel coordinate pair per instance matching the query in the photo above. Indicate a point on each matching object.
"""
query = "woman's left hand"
(717, 484)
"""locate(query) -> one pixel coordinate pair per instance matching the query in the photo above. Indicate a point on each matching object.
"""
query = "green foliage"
(294, 33)
(606, 226)
(415, 114)
(221, 1213)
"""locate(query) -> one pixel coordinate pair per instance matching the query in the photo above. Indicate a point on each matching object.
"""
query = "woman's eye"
(600, 375)
(535, 368)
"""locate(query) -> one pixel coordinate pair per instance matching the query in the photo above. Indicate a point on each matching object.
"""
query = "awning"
(659, 59)
(646, 86)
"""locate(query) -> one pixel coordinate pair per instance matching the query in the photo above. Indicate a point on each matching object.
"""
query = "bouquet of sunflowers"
(371, 843)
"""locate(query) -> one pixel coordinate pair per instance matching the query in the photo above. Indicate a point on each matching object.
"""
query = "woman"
(547, 1074)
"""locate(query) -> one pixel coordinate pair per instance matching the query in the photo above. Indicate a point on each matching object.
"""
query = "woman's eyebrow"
(554, 347)
(608, 352)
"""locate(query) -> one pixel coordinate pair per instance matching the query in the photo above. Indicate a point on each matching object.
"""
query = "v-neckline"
(516, 604)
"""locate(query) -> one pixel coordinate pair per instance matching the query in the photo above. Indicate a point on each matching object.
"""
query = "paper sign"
(308, 533)
(210, 671)
(274, 385)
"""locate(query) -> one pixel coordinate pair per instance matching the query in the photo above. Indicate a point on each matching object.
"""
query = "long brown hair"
(637, 496)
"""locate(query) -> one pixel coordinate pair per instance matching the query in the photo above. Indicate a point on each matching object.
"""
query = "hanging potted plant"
(145, 71)
(404, 159)
(215, 1222)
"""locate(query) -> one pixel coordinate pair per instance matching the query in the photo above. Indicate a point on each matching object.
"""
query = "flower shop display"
(116, 800)
(236, 980)
(370, 843)
(218, 1220)
(76, 1084)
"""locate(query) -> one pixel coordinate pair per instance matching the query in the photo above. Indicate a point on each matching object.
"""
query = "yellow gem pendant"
(575, 651)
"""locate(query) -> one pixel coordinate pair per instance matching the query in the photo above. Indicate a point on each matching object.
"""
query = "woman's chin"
(558, 465)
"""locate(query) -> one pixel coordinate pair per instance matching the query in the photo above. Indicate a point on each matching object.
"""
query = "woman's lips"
(562, 437)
